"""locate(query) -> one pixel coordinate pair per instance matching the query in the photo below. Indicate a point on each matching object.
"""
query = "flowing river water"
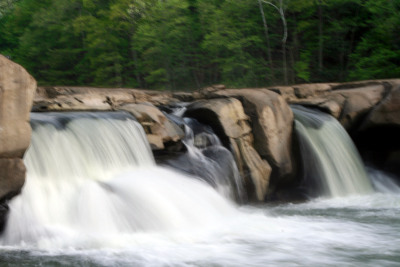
(95, 197)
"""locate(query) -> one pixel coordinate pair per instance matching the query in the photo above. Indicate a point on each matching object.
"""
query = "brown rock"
(272, 126)
(227, 117)
(358, 103)
(255, 171)
(387, 112)
(158, 128)
(332, 105)
(229, 112)
(287, 92)
(17, 88)
(88, 98)
(12, 177)
(311, 89)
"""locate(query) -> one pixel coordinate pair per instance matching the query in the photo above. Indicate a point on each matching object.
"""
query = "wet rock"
(12, 177)
(226, 116)
(3, 215)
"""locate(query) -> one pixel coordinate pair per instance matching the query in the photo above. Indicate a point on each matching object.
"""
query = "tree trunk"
(320, 37)
(267, 39)
(284, 64)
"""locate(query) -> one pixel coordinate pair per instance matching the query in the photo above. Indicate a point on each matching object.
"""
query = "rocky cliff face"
(17, 89)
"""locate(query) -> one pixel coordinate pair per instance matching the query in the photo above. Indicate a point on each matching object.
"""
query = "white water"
(133, 216)
(94, 178)
(329, 154)
(352, 231)
(221, 170)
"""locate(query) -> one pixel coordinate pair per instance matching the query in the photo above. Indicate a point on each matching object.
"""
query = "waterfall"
(214, 162)
(330, 159)
(206, 157)
(92, 176)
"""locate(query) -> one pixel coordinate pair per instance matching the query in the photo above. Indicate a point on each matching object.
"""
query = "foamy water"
(351, 231)
(119, 209)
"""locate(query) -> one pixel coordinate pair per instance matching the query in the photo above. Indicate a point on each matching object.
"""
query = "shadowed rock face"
(17, 88)
(387, 112)
(227, 117)
(378, 136)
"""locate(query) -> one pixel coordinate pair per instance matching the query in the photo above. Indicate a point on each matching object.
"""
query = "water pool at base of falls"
(351, 231)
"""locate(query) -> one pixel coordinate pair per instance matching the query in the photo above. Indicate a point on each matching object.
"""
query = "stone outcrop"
(140, 103)
(358, 102)
(227, 117)
(159, 130)
(90, 98)
(388, 111)
(17, 89)
(271, 122)
(378, 136)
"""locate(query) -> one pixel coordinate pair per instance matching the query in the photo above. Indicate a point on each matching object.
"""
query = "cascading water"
(206, 157)
(93, 197)
(215, 162)
(93, 174)
(329, 156)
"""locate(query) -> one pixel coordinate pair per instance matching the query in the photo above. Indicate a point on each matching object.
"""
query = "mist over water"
(94, 197)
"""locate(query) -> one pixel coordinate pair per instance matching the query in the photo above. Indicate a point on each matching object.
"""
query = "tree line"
(188, 44)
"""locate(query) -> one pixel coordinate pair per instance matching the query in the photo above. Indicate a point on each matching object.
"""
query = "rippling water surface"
(352, 231)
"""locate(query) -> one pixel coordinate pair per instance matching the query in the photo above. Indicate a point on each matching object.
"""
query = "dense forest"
(188, 44)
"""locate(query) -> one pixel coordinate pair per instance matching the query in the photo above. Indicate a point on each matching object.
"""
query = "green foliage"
(378, 53)
(187, 44)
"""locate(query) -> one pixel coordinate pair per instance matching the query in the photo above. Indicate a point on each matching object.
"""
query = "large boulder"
(159, 129)
(388, 111)
(378, 136)
(358, 102)
(271, 122)
(229, 121)
(17, 89)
